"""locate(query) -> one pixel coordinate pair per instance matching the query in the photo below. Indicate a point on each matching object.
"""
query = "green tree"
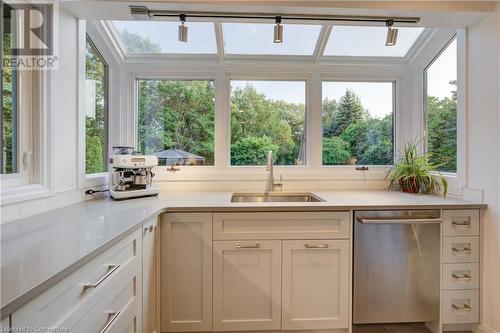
(350, 111)
(252, 150)
(335, 151)
(329, 112)
(8, 140)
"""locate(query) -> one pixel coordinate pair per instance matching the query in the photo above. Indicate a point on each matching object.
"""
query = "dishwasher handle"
(381, 220)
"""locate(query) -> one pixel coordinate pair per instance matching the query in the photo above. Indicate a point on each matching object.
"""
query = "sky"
(243, 38)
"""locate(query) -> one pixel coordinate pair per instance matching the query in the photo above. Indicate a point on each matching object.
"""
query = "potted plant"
(414, 173)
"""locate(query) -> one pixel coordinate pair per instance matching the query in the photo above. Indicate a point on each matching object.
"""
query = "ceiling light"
(183, 29)
(278, 30)
(392, 34)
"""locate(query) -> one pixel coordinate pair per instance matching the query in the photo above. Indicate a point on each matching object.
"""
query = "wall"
(483, 153)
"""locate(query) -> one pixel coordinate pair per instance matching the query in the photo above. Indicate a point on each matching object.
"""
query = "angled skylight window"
(161, 37)
(357, 41)
(257, 39)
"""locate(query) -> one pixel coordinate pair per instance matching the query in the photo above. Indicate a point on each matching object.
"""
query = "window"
(10, 130)
(176, 121)
(257, 39)
(441, 109)
(369, 41)
(96, 110)
(268, 115)
(358, 123)
(161, 37)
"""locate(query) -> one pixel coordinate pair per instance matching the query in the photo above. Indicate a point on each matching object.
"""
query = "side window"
(96, 110)
(358, 123)
(441, 109)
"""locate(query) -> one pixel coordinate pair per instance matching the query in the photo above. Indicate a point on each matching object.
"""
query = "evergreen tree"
(350, 111)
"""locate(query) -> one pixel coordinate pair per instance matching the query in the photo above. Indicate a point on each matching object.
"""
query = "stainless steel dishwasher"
(396, 266)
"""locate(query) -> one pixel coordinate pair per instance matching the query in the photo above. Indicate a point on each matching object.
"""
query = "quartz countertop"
(39, 251)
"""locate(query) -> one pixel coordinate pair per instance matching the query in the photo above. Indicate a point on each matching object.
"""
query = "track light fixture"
(183, 29)
(278, 30)
(392, 33)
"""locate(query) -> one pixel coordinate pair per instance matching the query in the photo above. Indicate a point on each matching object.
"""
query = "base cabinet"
(150, 277)
(315, 284)
(247, 285)
(186, 272)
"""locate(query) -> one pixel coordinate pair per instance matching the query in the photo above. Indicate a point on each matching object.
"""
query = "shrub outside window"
(358, 123)
(176, 121)
(268, 116)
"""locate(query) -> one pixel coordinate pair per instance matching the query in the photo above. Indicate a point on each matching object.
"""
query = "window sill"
(16, 194)
(96, 179)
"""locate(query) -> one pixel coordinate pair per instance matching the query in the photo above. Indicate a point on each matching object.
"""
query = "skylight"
(161, 37)
(357, 41)
(257, 39)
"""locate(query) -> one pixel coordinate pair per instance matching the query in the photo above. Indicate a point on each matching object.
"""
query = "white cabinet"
(315, 284)
(247, 285)
(150, 277)
(186, 272)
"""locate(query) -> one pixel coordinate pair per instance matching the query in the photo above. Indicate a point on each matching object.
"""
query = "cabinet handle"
(463, 277)
(461, 223)
(111, 318)
(150, 228)
(465, 250)
(461, 307)
(318, 246)
(111, 269)
(250, 246)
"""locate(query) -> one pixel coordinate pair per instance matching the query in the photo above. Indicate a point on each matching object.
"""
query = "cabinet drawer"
(461, 276)
(75, 296)
(461, 222)
(460, 249)
(277, 225)
(460, 306)
(116, 310)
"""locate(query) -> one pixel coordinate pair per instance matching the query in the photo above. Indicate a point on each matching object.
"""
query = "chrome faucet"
(271, 185)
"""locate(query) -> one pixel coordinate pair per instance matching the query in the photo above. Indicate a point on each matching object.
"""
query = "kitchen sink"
(275, 197)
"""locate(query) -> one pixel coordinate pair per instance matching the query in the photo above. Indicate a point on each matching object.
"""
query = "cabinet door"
(186, 277)
(247, 285)
(315, 284)
(150, 277)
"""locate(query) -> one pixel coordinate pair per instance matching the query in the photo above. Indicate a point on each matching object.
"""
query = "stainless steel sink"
(275, 197)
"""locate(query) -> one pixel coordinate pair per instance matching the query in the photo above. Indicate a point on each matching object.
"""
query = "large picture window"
(96, 110)
(358, 123)
(268, 116)
(441, 109)
(176, 121)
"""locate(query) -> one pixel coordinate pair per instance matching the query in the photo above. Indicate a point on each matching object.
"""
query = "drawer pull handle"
(318, 246)
(250, 246)
(463, 277)
(461, 307)
(462, 250)
(111, 269)
(461, 223)
(111, 318)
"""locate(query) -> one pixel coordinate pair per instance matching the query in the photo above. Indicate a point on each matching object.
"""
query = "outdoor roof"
(178, 154)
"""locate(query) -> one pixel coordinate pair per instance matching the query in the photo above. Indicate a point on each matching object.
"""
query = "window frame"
(455, 179)
(395, 118)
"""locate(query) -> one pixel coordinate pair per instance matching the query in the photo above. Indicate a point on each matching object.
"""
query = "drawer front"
(461, 222)
(460, 276)
(75, 296)
(278, 225)
(115, 309)
(460, 306)
(460, 249)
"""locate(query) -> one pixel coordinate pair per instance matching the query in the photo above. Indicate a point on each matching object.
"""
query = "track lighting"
(183, 29)
(392, 33)
(278, 30)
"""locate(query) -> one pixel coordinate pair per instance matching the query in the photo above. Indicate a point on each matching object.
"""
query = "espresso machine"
(132, 174)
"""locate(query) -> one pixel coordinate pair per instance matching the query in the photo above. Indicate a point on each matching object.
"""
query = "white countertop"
(39, 251)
